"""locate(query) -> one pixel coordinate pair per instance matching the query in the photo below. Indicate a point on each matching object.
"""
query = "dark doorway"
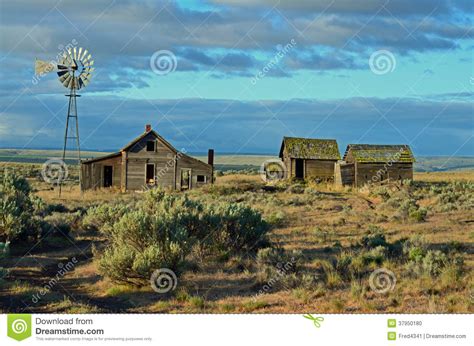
(299, 168)
(185, 179)
(150, 173)
(108, 176)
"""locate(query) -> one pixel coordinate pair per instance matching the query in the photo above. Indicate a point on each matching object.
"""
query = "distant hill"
(443, 163)
(232, 162)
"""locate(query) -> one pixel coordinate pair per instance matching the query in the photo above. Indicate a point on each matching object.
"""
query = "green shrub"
(415, 248)
(434, 262)
(16, 209)
(322, 235)
(343, 262)
(329, 273)
(382, 192)
(374, 238)
(277, 258)
(276, 219)
(237, 228)
(161, 229)
(197, 302)
(277, 268)
(141, 243)
(418, 215)
(431, 263)
(416, 254)
(376, 255)
(103, 216)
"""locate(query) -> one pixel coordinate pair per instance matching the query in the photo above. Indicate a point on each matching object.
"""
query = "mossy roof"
(310, 148)
(379, 153)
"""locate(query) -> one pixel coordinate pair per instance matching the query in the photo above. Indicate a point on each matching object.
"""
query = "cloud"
(435, 126)
(228, 37)
(368, 7)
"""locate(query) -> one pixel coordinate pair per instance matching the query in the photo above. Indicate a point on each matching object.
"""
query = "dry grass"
(313, 223)
(467, 175)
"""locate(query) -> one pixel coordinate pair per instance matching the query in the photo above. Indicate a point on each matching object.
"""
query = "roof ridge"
(126, 147)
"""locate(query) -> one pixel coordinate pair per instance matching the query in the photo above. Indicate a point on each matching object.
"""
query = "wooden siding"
(344, 173)
(287, 163)
(136, 172)
(319, 169)
(93, 173)
(123, 173)
(197, 168)
(129, 167)
(139, 148)
(138, 157)
(313, 169)
(367, 173)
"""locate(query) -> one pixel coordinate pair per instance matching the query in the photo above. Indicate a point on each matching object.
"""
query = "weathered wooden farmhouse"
(148, 160)
(367, 164)
(309, 158)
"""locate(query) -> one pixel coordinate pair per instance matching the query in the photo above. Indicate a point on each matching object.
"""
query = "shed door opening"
(185, 179)
(150, 173)
(299, 168)
(108, 176)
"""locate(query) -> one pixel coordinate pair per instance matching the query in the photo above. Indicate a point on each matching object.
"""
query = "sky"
(238, 75)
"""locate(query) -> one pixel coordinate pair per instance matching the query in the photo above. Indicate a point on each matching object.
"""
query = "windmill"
(74, 69)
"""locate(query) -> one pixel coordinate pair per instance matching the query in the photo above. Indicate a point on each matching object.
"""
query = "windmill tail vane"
(74, 70)
(43, 67)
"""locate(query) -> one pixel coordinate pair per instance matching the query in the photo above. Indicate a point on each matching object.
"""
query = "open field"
(332, 238)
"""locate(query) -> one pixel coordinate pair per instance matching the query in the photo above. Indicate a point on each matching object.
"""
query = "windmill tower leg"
(74, 134)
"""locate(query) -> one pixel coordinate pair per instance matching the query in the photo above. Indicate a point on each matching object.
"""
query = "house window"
(150, 146)
(201, 178)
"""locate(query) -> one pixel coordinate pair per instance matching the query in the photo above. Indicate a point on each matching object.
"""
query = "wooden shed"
(368, 164)
(149, 160)
(309, 158)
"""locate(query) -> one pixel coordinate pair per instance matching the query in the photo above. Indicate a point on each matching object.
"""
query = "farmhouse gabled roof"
(310, 148)
(136, 140)
(154, 133)
(380, 153)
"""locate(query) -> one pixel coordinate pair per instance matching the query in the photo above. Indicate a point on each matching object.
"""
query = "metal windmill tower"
(74, 70)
